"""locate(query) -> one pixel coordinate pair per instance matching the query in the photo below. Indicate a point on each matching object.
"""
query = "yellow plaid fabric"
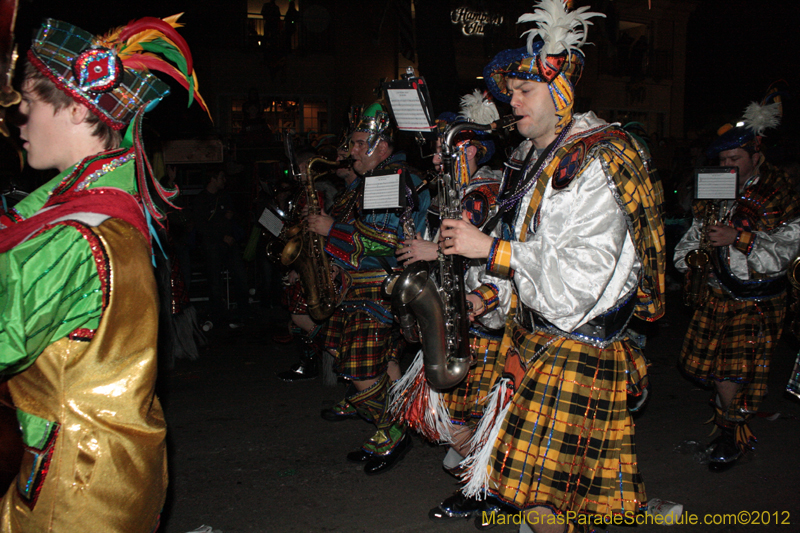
(467, 400)
(567, 441)
(733, 340)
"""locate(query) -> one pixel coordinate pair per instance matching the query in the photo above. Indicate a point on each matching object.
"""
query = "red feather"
(153, 23)
(141, 62)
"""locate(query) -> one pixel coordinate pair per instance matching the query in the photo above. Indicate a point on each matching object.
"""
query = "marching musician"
(733, 333)
(464, 403)
(360, 334)
(580, 250)
(80, 305)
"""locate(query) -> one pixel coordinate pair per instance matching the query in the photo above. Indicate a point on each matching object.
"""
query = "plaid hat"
(376, 122)
(748, 132)
(556, 59)
(110, 74)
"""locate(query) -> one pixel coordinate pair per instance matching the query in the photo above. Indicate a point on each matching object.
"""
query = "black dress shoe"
(724, 452)
(381, 463)
(298, 372)
(359, 456)
(456, 506)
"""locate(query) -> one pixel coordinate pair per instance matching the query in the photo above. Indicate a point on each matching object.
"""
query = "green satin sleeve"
(48, 288)
(122, 177)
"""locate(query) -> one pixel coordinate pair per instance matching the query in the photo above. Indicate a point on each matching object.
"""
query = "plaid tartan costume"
(466, 401)
(732, 338)
(361, 333)
(567, 441)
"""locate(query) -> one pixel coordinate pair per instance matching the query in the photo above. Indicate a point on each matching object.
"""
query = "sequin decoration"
(105, 169)
(97, 70)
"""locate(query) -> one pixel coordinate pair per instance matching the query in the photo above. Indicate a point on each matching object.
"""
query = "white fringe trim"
(476, 466)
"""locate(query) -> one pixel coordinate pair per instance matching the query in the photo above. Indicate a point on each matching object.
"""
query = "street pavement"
(250, 453)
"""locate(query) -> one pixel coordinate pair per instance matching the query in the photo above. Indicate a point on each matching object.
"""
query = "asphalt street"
(250, 453)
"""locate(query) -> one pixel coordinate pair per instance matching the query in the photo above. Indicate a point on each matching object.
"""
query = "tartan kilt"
(294, 299)
(567, 442)
(362, 344)
(733, 340)
(466, 401)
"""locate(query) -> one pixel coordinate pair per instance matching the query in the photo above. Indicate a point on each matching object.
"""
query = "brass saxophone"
(436, 298)
(305, 252)
(699, 260)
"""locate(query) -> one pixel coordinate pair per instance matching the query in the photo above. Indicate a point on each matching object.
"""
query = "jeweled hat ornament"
(748, 132)
(556, 59)
(376, 122)
(110, 73)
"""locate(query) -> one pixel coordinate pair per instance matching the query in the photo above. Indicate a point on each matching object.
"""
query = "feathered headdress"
(555, 58)
(757, 118)
(111, 73)
(477, 107)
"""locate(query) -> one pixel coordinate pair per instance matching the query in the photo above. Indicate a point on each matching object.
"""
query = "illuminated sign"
(472, 21)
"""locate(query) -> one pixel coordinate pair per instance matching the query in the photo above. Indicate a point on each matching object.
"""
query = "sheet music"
(408, 111)
(270, 220)
(382, 192)
(715, 184)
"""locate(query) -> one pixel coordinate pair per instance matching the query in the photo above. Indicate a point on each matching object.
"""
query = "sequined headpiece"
(748, 132)
(556, 59)
(376, 122)
(110, 73)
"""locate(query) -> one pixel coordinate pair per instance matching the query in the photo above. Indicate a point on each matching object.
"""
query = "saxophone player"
(360, 332)
(579, 250)
(731, 337)
(465, 402)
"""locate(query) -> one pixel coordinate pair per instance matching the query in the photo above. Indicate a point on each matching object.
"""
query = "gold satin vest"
(101, 467)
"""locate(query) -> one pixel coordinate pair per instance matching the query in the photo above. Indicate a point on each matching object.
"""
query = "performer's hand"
(320, 224)
(462, 238)
(477, 306)
(417, 249)
(722, 235)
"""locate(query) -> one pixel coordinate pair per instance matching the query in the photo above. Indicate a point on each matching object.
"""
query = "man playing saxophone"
(579, 250)
(732, 334)
(465, 402)
(360, 334)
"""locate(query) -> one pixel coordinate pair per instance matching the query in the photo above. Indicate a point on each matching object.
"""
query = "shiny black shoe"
(457, 506)
(298, 372)
(359, 456)
(378, 464)
(724, 452)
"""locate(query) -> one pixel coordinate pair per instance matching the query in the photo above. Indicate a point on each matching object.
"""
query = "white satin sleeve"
(771, 253)
(581, 260)
(690, 241)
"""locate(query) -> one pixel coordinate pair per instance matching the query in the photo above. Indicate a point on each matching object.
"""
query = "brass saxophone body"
(430, 303)
(305, 252)
(699, 260)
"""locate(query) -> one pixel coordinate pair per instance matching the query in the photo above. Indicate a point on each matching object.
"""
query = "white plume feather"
(758, 118)
(478, 108)
(559, 29)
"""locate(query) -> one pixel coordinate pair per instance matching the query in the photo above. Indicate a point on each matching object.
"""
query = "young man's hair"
(47, 92)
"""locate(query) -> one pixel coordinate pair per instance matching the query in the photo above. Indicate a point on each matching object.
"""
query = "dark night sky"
(736, 48)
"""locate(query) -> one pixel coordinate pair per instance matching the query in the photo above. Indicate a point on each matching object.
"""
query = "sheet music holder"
(716, 183)
(384, 192)
(410, 103)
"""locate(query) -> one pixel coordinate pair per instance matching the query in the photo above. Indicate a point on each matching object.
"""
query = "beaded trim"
(105, 169)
